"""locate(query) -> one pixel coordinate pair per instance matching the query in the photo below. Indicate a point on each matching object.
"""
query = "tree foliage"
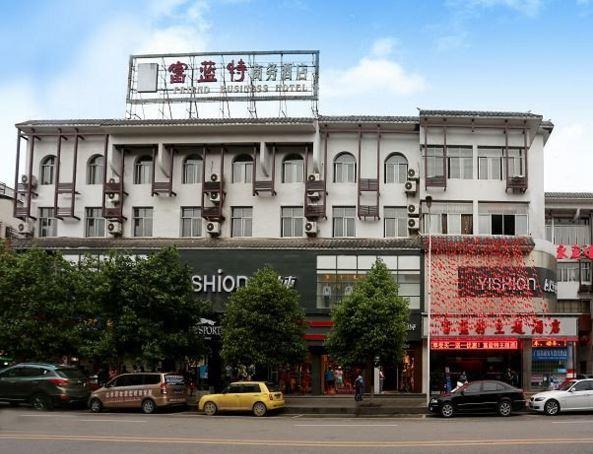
(264, 324)
(370, 323)
(114, 309)
(43, 313)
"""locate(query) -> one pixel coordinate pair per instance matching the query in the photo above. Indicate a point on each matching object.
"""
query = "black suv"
(43, 385)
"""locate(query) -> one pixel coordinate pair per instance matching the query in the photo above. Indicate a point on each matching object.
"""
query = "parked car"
(148, 391)
(43, 385)
(243, 396)
(571, 395)
(479, 397)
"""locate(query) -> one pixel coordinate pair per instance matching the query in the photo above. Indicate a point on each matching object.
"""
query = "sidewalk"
(381, 405)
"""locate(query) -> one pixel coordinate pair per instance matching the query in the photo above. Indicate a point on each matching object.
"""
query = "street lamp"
(428, 202)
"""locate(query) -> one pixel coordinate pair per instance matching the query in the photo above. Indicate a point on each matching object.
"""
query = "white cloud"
(569, 158)
(527, 7)
(383, 47)
(372, 75)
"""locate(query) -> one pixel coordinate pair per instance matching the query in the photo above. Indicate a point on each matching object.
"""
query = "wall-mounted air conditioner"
(311, 228)
(411, 186)
(414, 209)
(114, 228)
(213, 228)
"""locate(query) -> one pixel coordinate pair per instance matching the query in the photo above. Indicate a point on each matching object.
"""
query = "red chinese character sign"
(243, 76)
(490, 286)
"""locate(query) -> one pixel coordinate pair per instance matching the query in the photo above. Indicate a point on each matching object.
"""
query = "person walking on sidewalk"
(358, 388)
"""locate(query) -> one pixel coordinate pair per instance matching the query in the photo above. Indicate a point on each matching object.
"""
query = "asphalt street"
(23, 430)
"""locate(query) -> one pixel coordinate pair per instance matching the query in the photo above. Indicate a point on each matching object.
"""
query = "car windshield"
(566, 385)
(70, 373)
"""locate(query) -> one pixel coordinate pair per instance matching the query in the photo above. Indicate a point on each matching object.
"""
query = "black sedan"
(479, 397)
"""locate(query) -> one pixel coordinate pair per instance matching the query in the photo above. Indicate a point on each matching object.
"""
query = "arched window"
(292, 169)
(396, 168)
(192, 169)
(243, 169)
(143, 170)
(48, 165)
(344, 168)
(94, 170)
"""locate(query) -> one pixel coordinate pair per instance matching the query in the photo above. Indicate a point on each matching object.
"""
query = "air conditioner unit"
(313, 195)
(25, 180)
(413, 174)
(411, 186)
(113, 197)
(114, 228)
(214, 177)
(314, 177)
(213, 228)
(311, 228)
(414, 210)
(214, 196)
(414, 224)
(25, 228)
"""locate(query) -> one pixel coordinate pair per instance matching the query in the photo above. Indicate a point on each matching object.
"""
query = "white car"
(572, 395)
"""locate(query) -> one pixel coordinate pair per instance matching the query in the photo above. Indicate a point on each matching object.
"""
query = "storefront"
(493, 310)
(322, 272)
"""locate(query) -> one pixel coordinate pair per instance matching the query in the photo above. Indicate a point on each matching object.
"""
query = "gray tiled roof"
(478, 113)
(82, 244)
(569, 195)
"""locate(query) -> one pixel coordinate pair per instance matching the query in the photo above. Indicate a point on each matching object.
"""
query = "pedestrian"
(358, 387)
(463, 377)
(329, 380)
(381, 379)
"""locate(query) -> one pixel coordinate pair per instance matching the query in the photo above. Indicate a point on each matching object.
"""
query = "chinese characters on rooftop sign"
(225, 76)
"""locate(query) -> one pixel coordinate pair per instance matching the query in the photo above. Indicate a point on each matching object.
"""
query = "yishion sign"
(221, 283)
(481, 281)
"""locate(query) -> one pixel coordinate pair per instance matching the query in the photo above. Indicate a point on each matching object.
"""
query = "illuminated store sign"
(506, 344)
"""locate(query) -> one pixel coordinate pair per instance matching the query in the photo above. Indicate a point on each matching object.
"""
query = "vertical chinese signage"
(223, 76)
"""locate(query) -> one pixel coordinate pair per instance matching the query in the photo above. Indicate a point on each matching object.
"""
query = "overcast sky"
(68, 59)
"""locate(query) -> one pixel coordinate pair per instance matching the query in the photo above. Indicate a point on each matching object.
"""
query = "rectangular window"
(434, 162)
(242, 171)
(449, 218)
(191, 221)
(292, 170)
(568, 231)
(516, 162)
(142, 221)
(395, 222)
(504, 219)
(490, 163)
(292, 221)
(344, 222)
(460, 162)
(241, 221)
(48, 225)
(94, 223)
(568, 271)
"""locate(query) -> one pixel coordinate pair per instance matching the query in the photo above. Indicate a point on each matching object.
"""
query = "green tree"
(148, 309)
(42, 313)
(370, 323)
(264, 324)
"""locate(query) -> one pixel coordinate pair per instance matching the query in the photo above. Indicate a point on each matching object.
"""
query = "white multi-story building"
(317, 198)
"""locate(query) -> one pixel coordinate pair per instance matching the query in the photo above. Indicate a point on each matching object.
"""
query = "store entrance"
(503, 365)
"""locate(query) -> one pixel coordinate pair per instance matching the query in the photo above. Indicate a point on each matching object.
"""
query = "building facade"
(9, 225)
(319, 199)
(568, 226)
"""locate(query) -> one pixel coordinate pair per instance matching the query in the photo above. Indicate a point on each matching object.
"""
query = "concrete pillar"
(526, 364)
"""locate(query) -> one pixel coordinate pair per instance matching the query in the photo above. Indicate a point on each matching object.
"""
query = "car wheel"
(148, 406)
(41, 402)
(504, 408)
(260, 409)
(552, 407)
(210, 408)
(95, 406)
(447, 410)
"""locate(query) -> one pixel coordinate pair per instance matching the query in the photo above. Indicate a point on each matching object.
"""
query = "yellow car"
(243, 396)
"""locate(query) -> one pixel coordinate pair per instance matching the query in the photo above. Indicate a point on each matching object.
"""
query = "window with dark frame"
(48, 226)
(191, 221)
(344, 222)
(241, 221)
(142, 221)
(94, 223)
(292, 221)
(192, 170)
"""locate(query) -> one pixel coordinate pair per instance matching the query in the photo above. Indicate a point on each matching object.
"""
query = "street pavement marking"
(293, 443)
(47, 415)
(111, 420)
(575, 421)
(346, 425)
